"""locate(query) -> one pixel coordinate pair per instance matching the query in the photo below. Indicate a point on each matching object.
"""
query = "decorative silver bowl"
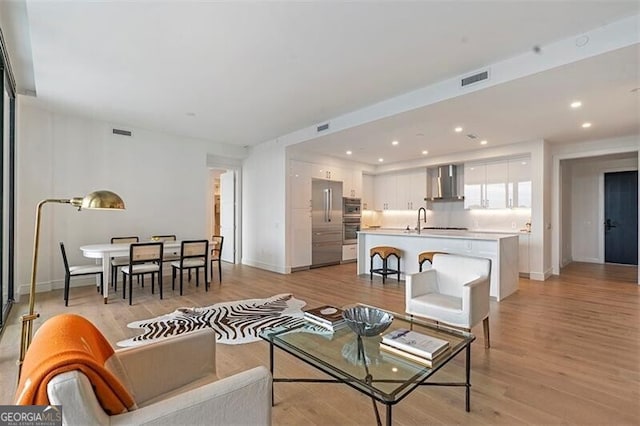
(367, 321)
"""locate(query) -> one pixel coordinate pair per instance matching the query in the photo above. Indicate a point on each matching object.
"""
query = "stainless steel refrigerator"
(326, 222)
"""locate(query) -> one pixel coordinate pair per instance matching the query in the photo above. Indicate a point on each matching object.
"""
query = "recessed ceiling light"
(425, 152)
(586, 125)
(457, 129)
(349, 152)
(483, 142)
(395, 143)
(576, 104)
(380, 160)
(524, 163)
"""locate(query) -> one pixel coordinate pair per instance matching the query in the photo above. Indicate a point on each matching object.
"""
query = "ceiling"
(246, 72)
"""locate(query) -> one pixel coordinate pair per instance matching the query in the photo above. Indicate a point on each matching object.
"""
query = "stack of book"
(326, 316)
(415, 346)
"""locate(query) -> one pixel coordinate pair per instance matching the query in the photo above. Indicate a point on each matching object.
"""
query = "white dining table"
(107, 251)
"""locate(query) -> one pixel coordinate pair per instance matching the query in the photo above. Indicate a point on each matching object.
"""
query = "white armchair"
(454, 291)
(173, 382)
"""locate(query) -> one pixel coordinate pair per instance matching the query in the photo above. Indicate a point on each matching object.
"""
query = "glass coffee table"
(385, 377)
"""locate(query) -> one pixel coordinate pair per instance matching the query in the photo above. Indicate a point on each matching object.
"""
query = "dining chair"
(76, 271)
(171, 255)
(193, 255)
(216, 254)
(119, 261)
(144, 258)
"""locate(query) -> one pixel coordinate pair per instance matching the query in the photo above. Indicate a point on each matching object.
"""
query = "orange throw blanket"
(70, 342)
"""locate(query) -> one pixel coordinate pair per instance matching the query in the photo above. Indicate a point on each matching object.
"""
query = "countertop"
(441, 233)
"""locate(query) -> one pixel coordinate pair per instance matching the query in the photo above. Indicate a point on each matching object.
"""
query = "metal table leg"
(468, 378)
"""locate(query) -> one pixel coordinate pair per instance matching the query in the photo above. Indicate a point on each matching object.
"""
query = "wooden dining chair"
(119, 261)
(216, 254)
(193, 255)
(76, 271)
(169, 256)
(144, 258)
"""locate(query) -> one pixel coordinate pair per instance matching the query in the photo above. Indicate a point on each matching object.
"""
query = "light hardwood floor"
(563, 351)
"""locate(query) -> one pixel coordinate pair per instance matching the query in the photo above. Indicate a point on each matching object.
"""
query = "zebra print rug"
(234, 322)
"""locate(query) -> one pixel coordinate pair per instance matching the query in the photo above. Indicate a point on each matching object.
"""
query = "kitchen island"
(502, 249)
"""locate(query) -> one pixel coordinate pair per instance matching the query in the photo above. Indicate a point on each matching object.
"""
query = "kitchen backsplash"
(451, 214)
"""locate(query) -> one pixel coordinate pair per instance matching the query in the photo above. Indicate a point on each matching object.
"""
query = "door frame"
(228, 164)
(626, 145)
(601, 217)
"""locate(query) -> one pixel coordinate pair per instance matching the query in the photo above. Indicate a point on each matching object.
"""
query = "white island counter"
(502, 249)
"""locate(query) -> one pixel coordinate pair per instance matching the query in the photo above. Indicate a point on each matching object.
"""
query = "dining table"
(106, 251)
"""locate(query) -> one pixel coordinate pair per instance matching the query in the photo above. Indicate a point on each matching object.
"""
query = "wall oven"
(350, 229)
(351, 207)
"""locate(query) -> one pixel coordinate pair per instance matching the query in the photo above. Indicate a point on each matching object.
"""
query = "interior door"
(228, 215)
(621, 217)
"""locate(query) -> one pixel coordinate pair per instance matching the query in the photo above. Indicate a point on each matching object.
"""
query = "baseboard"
(265, 266)
(23, 289)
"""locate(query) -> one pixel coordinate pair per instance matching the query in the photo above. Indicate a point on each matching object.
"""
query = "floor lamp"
(97, 200)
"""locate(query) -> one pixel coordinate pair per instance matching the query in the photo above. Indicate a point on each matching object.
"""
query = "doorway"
(223, 210)
(621, 217)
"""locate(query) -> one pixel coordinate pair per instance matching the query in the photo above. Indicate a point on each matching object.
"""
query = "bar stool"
(384, 252)
(427, 255)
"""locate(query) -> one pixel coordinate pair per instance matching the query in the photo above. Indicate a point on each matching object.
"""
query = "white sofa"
(454, 291)
(173, 382)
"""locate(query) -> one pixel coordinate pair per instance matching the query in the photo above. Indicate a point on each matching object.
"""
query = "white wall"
(263, 202)
(162, 178)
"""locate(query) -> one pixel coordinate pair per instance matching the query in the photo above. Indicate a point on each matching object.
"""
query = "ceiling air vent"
(121, 132)
(475, 78)
(323, 127)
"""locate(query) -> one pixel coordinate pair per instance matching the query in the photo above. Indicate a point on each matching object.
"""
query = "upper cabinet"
(367, 192)
(400, 191)
(385, 192)
(519, 189)
(411, 189)
(498, 184)
(352, 183)
(323, 171)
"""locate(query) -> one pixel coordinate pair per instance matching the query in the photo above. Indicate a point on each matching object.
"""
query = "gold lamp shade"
(99, 200)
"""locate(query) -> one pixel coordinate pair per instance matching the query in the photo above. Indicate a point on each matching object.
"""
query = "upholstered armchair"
(171, 382)
(454, 291)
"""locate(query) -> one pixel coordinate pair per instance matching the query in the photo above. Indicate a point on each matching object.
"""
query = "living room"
(67, 147)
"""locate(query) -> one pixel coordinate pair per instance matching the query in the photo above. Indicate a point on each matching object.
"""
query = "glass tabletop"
(386, 376)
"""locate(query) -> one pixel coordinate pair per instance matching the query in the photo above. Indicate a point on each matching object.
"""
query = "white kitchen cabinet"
(300, 184)
(519, 188)
(351, 183)
(385, 192)
(324, 171)
(411, 189)
(300, 238)
(349, 252)
(498, 184)
(523, 254)
(474, 181)
(495, 193)
(367, 192)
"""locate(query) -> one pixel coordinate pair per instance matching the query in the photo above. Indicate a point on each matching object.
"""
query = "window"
(7, 184)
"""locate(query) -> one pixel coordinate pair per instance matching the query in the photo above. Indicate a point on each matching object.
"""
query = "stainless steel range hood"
(446, 184)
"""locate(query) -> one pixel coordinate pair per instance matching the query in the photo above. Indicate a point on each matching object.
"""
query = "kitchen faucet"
(424, 215)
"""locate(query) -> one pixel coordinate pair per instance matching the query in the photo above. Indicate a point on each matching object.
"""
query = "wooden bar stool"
(384, 252)
(427, 255)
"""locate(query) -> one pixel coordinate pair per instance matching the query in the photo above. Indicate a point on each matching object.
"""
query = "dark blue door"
(621, 217)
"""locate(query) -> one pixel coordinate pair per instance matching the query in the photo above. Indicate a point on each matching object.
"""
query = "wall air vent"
(475, 78)
(323, 127)
(121, 132)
